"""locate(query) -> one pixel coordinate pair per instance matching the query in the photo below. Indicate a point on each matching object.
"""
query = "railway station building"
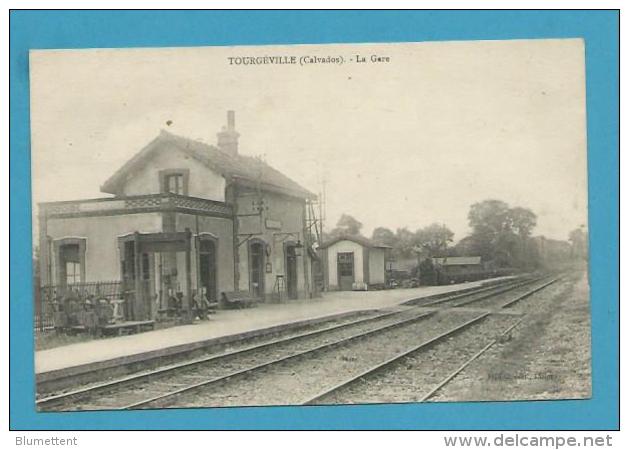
(353, 263)
(183, 218)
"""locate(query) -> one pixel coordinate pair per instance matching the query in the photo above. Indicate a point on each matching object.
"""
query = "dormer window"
(174, 184)
(174, 181)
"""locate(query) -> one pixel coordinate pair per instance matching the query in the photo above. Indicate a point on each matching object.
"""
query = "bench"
(173, 313)
(129, 327)
(237, 300)
(165, 313)
(113, 328)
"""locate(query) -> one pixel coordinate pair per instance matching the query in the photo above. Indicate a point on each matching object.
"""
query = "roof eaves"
(357, 239)
(265, 186)
(112, 184)
(229, 167)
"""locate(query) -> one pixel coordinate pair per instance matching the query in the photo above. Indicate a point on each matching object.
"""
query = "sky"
(403, 143)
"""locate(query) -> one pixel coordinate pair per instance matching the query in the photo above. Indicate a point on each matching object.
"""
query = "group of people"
(200, 305)
(74, 309)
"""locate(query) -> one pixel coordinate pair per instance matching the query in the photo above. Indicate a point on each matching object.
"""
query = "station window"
(174, 181)
(346, 264)
(73, 272)
(71, 261)
(146, 267)
(174, 184)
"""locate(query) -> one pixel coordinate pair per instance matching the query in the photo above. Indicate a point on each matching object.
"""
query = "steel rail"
(477, 355)
(199, 361)
(446, 298)
(248, 370)
(380, 366)
(423, 346)
(460, 369)
(529, 293)
(502, 291)
(51, 400)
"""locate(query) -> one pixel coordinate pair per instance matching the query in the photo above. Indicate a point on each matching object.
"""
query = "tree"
(433, 239)
(488, 217)
(501, 234)
(428, 275)
(36, 257)
(37, 291)
(579, 242)
(350, 225)
(346, 226)
(488, 220)
(383, 235)
(465, 247)
(404, 243)
(522, 221)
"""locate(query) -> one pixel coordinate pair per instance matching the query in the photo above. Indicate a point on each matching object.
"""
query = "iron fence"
(47, 296)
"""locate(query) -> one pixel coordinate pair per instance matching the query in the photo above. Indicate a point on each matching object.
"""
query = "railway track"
(156, 387)
(51, 385)
(430, 394)
(482, 295)
(440, 299)
(362, 388)
(163, 383)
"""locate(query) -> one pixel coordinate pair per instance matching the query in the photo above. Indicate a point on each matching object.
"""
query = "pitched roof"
(358, 239)
(457, 260)
(241, 169)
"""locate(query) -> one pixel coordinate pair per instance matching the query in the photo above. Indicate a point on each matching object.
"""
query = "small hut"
(353, 263)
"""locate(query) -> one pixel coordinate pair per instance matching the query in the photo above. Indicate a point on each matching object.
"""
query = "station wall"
(102, 259)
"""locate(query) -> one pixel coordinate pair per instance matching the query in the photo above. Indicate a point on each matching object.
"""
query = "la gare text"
(305, 60)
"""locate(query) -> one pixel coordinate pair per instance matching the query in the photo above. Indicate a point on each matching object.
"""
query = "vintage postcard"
(310, 224)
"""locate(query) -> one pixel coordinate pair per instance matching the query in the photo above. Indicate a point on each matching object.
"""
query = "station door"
(291, 272)
(345, 267)
(256, 269)
(207, 269)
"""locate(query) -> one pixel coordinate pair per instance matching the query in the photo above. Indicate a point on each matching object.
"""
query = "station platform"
(228, 323)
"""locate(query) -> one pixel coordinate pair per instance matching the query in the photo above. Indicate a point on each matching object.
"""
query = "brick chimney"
(227, 138)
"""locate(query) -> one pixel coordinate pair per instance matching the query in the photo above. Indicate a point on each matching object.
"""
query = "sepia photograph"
(323, 224)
